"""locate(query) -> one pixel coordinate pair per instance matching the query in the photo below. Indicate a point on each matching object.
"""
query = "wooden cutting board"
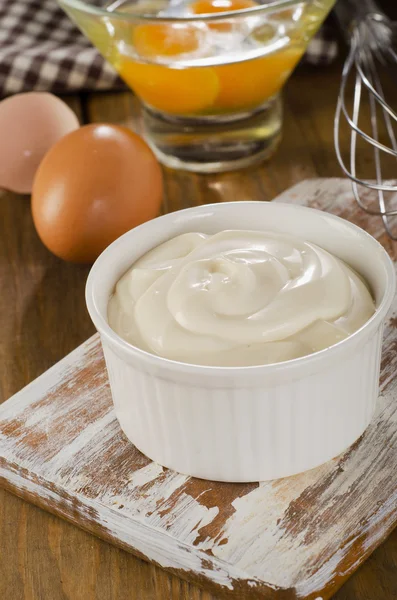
(300, 537)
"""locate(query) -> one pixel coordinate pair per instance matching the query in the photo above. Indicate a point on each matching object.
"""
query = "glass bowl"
(208, 72)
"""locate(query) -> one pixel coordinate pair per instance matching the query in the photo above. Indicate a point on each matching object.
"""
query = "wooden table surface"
(43, 317)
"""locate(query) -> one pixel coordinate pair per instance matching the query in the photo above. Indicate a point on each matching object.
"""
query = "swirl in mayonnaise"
(238, 298)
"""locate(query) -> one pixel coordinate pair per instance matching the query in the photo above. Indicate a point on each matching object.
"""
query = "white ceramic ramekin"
(246, 423)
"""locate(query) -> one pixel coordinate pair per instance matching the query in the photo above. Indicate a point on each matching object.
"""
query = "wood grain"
(43, 317)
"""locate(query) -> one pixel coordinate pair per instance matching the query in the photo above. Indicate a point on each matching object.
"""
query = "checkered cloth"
(323, 48)
(41, 49)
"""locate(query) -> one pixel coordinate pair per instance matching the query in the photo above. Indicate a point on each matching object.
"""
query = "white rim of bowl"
(105, 330)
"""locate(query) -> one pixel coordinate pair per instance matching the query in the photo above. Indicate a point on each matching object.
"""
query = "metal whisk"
(371, 36)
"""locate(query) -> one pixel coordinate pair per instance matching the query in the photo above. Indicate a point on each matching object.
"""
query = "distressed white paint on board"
(152, 544)
(298, 533)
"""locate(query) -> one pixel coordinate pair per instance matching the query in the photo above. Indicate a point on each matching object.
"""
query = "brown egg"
(94, 185)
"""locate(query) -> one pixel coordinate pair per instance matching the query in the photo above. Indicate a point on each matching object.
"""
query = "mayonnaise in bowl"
(238, 298)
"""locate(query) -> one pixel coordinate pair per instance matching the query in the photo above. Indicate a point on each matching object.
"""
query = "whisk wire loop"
(371, 45)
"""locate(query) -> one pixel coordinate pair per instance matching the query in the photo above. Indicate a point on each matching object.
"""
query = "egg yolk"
(250, 83)
(166, 39)
(207, 7)
(176, 91)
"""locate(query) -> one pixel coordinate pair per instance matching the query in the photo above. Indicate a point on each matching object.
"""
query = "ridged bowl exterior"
(246, 433)
(248, 423)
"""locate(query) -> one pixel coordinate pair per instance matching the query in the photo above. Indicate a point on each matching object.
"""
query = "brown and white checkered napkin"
(41, 49)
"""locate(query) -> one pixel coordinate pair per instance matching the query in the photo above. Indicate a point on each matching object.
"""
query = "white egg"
(30, 124)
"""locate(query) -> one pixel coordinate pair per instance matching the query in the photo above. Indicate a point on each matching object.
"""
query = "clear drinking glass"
(209, 80)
